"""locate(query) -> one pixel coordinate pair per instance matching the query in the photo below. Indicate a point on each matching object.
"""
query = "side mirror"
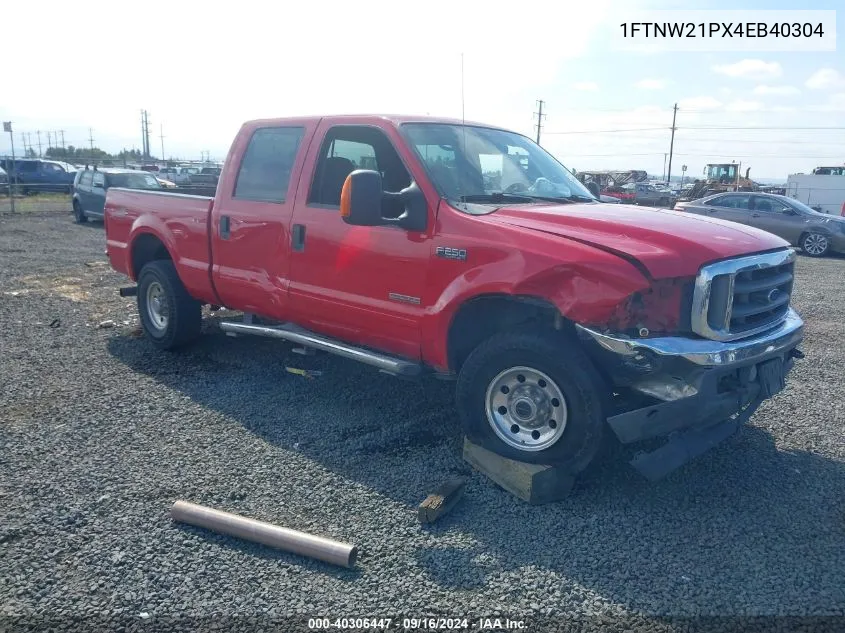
(363, 199)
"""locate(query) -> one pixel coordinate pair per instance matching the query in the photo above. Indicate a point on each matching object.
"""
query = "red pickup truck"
(429, 246)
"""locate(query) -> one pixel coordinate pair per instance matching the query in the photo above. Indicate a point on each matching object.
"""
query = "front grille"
(743, 296)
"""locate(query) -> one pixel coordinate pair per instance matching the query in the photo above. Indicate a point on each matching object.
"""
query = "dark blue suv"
(36, 174)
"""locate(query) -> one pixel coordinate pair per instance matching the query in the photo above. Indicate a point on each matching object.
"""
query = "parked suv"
(816, 233)
(34, 174)
(90, 186)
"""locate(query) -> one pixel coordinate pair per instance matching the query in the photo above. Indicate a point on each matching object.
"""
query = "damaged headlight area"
(661, 309)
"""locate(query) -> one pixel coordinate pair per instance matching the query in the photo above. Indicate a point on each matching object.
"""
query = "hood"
(668, 243)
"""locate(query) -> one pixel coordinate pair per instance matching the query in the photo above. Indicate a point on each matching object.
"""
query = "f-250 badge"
(448, 252)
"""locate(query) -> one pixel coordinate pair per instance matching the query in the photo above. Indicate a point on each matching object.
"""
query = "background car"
(90, 186)
(35, 174)
(816, 233)
(4, 181)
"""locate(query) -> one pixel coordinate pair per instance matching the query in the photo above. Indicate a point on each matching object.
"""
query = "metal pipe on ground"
(324, 549)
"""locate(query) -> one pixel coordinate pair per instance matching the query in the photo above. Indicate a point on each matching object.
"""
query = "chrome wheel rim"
(815, 244)
(526, 409)
(157, 309)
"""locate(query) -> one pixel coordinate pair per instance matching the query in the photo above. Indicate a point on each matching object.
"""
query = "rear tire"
(78, 213)
(170, 317)
(534, 398)
(815, 244)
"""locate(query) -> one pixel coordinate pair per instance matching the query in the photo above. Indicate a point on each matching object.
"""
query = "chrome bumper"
(704, 352)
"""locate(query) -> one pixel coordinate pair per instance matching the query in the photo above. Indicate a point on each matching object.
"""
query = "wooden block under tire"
(441, 500)
(534, 483)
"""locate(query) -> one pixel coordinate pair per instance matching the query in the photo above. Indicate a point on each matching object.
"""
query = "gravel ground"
(100, 434)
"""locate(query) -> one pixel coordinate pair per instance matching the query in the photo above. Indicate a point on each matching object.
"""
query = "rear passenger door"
(250, 221)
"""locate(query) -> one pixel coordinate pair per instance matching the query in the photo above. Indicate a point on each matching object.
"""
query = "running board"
(301, 336)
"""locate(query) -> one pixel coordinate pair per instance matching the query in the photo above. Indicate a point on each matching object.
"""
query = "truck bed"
(182, 218)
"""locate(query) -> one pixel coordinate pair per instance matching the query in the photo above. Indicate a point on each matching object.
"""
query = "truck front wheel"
(533, 398)
(169, 315)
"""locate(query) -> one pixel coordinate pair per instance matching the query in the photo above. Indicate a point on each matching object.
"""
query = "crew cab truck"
(429, 246)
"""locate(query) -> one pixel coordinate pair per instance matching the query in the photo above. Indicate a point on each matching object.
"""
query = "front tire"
(78, 213)
(533, 398)
(170, 317)
(815, 244)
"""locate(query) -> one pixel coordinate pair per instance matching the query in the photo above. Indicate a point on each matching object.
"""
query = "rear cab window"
(265, 170)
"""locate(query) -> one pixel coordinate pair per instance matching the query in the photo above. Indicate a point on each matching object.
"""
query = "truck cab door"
(363, 284)
(249, 223)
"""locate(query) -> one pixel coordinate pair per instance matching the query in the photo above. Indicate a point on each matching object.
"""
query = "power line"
(639, 129)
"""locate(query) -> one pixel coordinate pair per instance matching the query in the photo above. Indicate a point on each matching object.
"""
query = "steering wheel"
(516, 187)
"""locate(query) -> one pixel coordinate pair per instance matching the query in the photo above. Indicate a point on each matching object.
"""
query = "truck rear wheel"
(169, 315)
(534, 398)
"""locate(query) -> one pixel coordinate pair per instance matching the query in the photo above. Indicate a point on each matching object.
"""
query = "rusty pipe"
(323, 549)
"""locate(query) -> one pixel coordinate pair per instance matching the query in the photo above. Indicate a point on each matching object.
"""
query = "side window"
(266, 166)
(99, 179)
(734, 202)
(347, 148)
(86, 179)
(769, 205)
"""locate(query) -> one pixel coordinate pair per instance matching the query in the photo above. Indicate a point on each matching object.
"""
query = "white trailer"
(823, 192)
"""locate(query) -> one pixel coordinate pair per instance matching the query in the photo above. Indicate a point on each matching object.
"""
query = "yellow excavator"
(719, 177)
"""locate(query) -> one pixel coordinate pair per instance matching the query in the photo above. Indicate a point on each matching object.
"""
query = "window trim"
(284, 199)
(336, 207)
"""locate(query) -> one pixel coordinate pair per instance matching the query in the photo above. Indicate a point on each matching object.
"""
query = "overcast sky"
(200, 70)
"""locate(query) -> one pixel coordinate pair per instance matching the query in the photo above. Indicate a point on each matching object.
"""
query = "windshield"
(139, 180)
(472, 164)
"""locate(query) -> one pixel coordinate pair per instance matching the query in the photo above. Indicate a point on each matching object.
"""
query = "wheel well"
(480, 318)
(145, 249)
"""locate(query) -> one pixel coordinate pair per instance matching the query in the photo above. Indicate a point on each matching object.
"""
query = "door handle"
(224, 227)
(298, 237)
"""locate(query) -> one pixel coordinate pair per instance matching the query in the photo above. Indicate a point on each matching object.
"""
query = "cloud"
(783, 91)
(700, 103)
(586, 85)
(750, 68)
(650, 84)
(825, 78)
(741, 105)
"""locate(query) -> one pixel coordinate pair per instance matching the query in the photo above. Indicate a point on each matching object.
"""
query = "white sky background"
(201, 70)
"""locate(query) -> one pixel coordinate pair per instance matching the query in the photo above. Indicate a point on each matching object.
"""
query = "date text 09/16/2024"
(417, 624)
(722, 29)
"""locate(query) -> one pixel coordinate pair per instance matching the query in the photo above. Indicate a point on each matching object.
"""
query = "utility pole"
(38, 134)
(672, 143)
(29, 141)
(7, 127)
(91, 142)
(540, 116)
(664, 166)
(62, 132)
(161, 136)
(23, 142)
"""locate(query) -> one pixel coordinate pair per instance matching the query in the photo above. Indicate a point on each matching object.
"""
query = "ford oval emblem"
(774, 293)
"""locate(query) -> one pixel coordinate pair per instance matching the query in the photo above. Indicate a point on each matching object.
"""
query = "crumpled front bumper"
(705, 390)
